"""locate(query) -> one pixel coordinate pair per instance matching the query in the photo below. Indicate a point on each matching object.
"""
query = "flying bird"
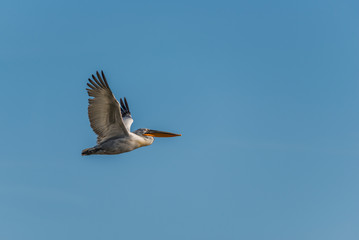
(112, 121)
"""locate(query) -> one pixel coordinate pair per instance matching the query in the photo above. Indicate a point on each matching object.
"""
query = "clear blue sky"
(265, 94)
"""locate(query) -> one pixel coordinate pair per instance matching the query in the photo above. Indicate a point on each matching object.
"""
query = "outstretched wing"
(104, 111)
(126, 114)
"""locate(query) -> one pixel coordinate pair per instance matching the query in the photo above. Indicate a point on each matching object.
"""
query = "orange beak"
(155, 133)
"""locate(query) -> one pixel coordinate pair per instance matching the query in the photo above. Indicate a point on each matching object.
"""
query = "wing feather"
(104, 110)
(126, 114)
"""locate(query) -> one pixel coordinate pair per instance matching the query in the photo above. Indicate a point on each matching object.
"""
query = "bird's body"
(112, 121)
(117, 145)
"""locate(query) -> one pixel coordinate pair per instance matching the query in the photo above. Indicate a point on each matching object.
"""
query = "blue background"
(265, 94)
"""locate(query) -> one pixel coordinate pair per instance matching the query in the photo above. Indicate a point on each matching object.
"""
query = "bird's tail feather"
(89, 151)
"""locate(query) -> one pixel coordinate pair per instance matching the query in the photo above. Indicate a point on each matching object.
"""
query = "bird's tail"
(89, 151)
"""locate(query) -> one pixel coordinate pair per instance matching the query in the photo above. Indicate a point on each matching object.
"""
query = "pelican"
(112, 121)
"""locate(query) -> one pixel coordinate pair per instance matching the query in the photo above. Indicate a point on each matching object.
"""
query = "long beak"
(155, 133)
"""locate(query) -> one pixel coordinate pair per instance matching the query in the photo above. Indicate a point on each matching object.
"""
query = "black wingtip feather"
(90, 86)
(128, 109)
(94, 84)
(121, 102)
(100, 79)
(124, 107)
(97, 81)
(104, 79)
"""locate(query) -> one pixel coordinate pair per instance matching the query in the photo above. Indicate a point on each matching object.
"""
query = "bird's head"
(149, 133)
